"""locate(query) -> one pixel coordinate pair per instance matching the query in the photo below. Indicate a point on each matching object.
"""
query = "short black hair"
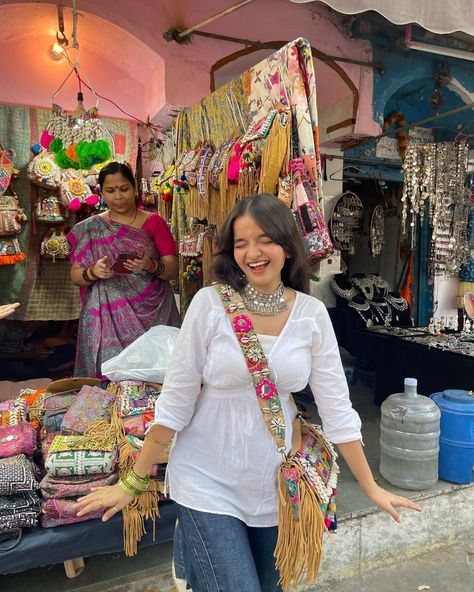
(276, 219)
(116, 167)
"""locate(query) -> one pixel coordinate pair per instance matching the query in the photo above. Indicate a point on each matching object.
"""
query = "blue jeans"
(217, 553)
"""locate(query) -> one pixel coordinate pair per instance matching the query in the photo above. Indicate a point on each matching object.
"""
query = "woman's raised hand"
(111, 499)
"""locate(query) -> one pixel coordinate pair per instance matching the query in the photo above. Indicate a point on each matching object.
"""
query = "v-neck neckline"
(287, 322)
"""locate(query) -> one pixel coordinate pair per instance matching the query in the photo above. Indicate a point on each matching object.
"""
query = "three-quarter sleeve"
(182, 384)
(341, 422)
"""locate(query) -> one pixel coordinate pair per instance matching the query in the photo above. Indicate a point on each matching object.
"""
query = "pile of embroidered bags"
(75, 461)
(87, 437)
(19, 501)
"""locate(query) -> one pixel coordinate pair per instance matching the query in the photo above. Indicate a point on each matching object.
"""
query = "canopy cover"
(438, 16)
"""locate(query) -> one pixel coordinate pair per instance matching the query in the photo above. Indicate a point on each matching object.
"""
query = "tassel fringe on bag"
(141, 508)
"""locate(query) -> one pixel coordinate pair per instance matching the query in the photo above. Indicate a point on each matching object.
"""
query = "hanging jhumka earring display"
(267, 304)
(435, 174)
(419, 181)
(377, 230)
(448, 210)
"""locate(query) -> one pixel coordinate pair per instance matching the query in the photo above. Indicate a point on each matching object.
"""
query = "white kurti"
(224, 461)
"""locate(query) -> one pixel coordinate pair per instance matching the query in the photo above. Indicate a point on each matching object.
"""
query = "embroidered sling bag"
(307, 476)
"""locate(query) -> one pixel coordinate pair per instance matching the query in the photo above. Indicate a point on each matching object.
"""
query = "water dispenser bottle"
(409, 439)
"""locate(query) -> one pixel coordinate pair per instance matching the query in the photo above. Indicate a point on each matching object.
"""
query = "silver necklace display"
(267, 304)
(360, 309)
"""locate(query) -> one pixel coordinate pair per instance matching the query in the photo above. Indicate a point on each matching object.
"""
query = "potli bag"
(308, 474)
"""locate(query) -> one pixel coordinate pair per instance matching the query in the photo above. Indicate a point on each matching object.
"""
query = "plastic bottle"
(409, 439)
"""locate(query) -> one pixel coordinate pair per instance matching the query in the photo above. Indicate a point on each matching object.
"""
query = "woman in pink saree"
(123, 260)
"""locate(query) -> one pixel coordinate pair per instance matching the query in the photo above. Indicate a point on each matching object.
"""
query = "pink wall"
(126, 57)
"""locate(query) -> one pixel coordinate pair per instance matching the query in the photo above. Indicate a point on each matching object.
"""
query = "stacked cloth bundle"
(19, 502)
(75, 459)
(135, 409)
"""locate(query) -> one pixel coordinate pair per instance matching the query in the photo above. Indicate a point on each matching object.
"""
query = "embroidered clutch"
(19, 511)
(135, 398)
(74, 486)
(74, 443)
(81, 462)
(12, 412)
(136, 425)
(18, 439)
(17, 474)
(55, 512)
(90, 404)
(52, 421)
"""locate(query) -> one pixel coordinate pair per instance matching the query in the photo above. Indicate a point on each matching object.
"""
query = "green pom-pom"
(56, 145)
(64, 162)
(83, 151)
(101, 151)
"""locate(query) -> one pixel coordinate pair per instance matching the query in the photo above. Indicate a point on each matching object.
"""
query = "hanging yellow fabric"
(276, 153)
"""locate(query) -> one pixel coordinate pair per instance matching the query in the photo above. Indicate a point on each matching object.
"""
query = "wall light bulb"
(56, 52)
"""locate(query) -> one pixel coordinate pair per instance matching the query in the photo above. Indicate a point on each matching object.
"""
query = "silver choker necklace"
(267, 304)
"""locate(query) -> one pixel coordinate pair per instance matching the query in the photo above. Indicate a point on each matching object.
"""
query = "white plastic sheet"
(147, 358)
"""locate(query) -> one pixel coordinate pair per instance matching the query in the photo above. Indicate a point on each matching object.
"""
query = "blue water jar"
(456, 452)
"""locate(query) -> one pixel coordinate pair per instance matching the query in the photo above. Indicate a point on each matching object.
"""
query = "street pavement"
(450, 569)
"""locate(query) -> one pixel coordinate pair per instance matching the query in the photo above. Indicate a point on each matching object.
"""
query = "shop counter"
(394, 358)
(40, 547)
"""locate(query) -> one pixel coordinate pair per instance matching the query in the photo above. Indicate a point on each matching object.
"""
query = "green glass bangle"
(129, 489)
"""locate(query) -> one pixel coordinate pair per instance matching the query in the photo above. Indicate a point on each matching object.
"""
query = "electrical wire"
(81, 80)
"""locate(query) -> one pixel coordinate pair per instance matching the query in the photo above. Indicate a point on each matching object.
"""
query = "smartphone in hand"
(118, 266)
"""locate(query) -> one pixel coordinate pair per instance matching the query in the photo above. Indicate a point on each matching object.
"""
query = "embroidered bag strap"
(257, 364)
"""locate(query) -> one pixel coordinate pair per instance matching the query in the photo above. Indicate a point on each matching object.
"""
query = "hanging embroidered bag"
(43, 170)
(309, 216)
(10, 251)
(55, 245)
(6, 168)
(74, 191)
(47, 208)
(192, 245)
(308, 474)
(10, 215)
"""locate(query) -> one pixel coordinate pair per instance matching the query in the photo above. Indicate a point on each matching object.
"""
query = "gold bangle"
(148, 437)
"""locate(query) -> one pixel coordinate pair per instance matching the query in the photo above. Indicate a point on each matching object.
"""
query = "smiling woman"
(123, 260)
